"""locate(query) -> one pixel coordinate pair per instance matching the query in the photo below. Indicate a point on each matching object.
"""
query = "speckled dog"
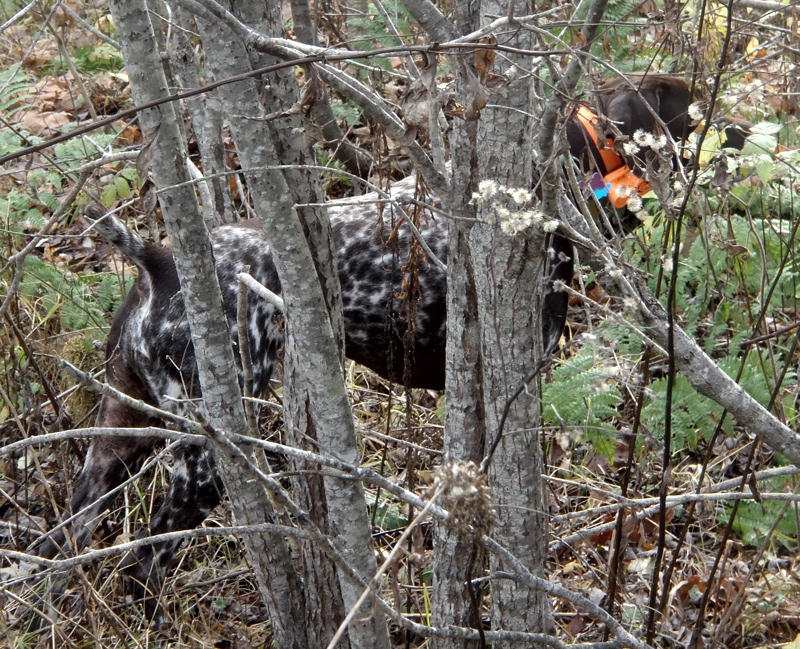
(150, 355)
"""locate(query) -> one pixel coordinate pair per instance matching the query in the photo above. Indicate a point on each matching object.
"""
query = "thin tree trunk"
(314, 390)
(206, 122)
(324, 608)
(500, 277)
(194, 259)
(354, 160)
(458, 560)
(324, 604)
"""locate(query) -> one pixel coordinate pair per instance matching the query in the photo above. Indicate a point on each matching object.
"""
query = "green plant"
(14, 81)
(695, 417)
(74, 152)
(80, 301)
(755, 519)
(374, 29)
(620, 24)
(121, 187)
(98, 58)
(585, 391)
(387, 515)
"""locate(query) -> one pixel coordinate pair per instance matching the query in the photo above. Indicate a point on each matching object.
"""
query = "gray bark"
(206, 120)
(493, 344)
(458, 560)
(494, 285)
(314, 391)
(323, 605)
(354, 160)
(216, 367)
(348, 86)
(326, 605)
(509, 276)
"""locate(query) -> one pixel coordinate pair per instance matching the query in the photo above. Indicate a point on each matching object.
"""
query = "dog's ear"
(630, 110)
(658, 95)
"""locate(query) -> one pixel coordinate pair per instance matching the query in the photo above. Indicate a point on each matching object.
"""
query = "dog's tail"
(115, 231)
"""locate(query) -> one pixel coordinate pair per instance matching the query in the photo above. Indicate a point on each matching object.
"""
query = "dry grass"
(212, 600)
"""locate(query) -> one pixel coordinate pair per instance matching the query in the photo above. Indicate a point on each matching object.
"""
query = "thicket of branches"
(664, 429)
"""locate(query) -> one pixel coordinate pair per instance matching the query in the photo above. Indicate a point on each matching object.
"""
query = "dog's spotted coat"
(150, 355)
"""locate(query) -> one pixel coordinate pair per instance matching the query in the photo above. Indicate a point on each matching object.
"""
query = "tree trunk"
(323, 606)
(314, 391)
(455, 600)
(206, 116)
(194, 259)
(494, 342)
(355, 161)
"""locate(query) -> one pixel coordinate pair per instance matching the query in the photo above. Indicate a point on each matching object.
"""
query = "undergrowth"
(738, 295)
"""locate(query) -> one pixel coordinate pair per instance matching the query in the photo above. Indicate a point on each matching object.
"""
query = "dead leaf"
(123, 537)
(110, 92)
(692, 233)
(44, 124)
(129, 134)
(735, 250)
(409, 135)
(313, 91)
(40, 55)
(576, 626)
(145, 156)
(148, 198)
(49, 92)
(63, 20)
(418, 100)
(454, 109)
(684, 589)
(484, 57)
(495, 82)
(603, 538)
(476, 95)
(641, 566)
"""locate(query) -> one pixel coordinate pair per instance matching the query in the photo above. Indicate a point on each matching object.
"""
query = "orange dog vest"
(621, 181)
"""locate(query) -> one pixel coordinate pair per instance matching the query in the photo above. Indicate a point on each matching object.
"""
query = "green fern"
(620, 20)
(374, 29)
(14, 81)
(69, 297)
(74, 152)
(20, 212)
(721, 281)
(694, 417)
(584, 393)
(754, 520)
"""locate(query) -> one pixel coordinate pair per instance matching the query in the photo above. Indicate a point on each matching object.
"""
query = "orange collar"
(588, 120)
(622, 183)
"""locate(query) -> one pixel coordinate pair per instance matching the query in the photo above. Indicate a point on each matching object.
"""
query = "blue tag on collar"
(598, 186)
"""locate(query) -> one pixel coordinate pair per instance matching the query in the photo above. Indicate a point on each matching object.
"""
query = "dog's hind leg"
(109, 462)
